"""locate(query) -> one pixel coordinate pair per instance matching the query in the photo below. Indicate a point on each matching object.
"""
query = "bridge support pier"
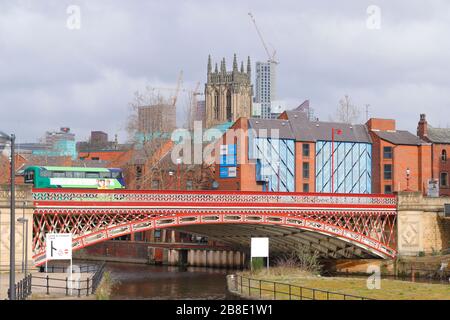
(421, 225)
(24, 209)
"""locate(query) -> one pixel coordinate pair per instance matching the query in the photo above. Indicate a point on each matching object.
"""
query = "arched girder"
(315, 229)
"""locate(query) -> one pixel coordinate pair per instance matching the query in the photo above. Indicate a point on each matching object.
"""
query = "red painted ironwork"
(92, 216)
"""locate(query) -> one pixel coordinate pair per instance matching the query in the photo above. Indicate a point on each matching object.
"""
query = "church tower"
(228, 94)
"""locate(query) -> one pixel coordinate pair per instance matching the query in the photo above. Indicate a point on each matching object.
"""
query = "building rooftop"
(400, 137)
(438, 135)
(306, 130)
(299, 128)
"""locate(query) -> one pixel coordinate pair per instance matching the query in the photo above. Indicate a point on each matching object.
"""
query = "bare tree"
(346, 111)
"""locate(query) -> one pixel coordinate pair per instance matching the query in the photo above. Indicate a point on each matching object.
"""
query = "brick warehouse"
(294, 154)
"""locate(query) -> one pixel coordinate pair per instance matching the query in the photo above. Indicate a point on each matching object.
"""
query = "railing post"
(249, 291)
(260, 288)
(301, 293)
(290, 291)
(328, 295)
(67, 286)
(274, 291)
(314, 294)
(48, 289)
(87, 286)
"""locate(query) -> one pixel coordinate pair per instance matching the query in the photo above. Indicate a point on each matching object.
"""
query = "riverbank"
(387, 289)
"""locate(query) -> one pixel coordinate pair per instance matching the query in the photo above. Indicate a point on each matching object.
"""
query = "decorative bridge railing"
(367, 221)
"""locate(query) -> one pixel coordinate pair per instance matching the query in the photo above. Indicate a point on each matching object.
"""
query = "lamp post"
(24, 221)
(408, 175)
(171, 173)
(178, 174)
(12, 238)
(23, 234)
(333, 132)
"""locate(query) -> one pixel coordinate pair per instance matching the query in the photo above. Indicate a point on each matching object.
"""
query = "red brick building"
(397, 160)
(393, 153)
(440, 150)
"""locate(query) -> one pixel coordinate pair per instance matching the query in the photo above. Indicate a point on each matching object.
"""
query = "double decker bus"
(74, 177)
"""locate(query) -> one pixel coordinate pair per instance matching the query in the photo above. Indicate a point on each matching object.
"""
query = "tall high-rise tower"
(228, 94)
(266, 87)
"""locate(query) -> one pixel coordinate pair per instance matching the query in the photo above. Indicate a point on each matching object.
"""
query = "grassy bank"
(389, 289)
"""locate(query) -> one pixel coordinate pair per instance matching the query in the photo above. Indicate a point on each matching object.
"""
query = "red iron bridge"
(334, 225)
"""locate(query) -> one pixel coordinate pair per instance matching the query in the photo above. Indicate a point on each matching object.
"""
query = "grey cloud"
(51, 76)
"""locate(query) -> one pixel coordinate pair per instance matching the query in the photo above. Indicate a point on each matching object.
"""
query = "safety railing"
(89, 268)
(407, 274)
(265, 289)
(22, 288)
(68, 286)
(211, 197)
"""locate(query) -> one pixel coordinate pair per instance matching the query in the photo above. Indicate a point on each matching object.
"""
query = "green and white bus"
(74, 177)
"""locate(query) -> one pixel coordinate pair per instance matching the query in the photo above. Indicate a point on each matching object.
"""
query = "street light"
(12, 240)
(171, 173)
(408, 175)
(333, 132)
(24, 221)
(178, 174)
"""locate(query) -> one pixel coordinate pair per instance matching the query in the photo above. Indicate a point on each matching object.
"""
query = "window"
(387, 189)
(95, 158)
(105, 175)
(78, 174)
(444, 179)
(138, 172)
(305, 170)
(388, 171)
(189, 185)
(29, 176)
(116, 174)
(387, 152)
(444, 155)
(305, 148)
(306, 187)
(92, 175)
(69, 174)
(58, 174)
(155, 184)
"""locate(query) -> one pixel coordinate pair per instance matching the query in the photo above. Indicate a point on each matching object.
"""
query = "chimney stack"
(422, 127)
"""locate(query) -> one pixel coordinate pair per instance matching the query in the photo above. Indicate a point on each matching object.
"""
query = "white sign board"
(232, 172)
(433, 188)
(223, 149)
(58, 246)
(259, 247)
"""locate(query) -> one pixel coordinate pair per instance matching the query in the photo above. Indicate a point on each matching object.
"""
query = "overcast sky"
(52, 76)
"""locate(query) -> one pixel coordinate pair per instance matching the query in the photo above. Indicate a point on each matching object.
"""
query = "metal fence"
(22, 288)
(284, 291)
(68, 286)
(407, 274)
(51, 284)
(88, 268)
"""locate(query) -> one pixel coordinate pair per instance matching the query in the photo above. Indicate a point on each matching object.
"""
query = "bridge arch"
(334, 225)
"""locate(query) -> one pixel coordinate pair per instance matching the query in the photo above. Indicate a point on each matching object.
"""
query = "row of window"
(387, 154)
(81, 175)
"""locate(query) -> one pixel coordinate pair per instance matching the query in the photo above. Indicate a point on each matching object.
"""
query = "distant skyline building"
(156, 120)
(228, 94)
(266, 88)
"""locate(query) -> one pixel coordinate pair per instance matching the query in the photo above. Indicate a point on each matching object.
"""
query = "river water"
(136, 281)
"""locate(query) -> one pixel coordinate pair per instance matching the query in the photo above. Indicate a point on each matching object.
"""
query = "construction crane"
(194, 93)
(176, 90)
(269, 55)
